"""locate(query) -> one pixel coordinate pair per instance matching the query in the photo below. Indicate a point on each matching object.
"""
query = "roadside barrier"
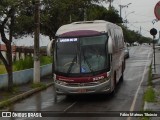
(24, 76)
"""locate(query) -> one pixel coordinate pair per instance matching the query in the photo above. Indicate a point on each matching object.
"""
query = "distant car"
(126, 53)
(135, 44)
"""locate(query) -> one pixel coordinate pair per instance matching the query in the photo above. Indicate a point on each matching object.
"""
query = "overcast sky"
(140, 14)
(29, 41)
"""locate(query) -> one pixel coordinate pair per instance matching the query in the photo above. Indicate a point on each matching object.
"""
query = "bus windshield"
(81, 55)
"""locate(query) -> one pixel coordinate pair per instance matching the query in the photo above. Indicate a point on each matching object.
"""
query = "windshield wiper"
(72, 63)
(89, 65)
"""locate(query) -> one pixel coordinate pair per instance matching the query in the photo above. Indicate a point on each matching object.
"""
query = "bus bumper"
(83, 88)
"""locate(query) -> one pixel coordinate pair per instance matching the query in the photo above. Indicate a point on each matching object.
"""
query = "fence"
(24, 76)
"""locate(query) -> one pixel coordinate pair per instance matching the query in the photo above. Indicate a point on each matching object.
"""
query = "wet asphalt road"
(128, 97)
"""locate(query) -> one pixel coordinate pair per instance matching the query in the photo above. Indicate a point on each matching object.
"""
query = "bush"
(2, 69)
(28, 62)
(24, 64)
(45, 60)
(0, 62)
(37, 85)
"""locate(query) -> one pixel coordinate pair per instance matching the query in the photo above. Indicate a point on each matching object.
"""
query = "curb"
(153, 106)
(23, 95)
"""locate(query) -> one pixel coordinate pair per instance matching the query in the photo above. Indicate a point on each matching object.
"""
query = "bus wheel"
(55, 95)
(114, 85)
(121, 78)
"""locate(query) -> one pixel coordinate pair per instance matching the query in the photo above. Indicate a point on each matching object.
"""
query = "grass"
(150, 76)
(38, 85)
(150, 95)
(5, 103)
(145, 118)
(26, 64)
(5, 94)
(2, 69)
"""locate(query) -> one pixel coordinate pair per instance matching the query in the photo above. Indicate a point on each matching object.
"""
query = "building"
(18, 52)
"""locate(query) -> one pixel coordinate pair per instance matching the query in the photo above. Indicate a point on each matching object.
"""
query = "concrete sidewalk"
(156, 85)
(23, 91)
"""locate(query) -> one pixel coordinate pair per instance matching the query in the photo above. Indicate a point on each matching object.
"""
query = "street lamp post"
(123, 6)
(125, 19)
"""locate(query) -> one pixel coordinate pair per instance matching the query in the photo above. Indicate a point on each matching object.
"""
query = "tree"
(9, 9)
(58, 12)
(24, 21)
(131, 36)
(111, 15)
(16, 19)
(7, 12)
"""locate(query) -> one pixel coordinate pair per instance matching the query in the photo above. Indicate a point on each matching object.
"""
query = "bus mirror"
(110, 46)
(49, 47)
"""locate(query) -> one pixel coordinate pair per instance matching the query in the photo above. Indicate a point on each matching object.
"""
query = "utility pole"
(70, 18)
(120, 11)
(85, 11)
(85, 14)
(36, 43)
(140, 30)
(110, 4)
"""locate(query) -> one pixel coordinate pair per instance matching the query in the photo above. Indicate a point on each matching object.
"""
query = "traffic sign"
(157, 10)
(153, 31)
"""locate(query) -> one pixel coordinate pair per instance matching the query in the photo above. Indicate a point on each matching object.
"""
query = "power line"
(142, 15)
(138, 28)
(145, 32)
(148, 21)
(117, 2)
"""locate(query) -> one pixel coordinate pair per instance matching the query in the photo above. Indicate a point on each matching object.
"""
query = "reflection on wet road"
(129, 93)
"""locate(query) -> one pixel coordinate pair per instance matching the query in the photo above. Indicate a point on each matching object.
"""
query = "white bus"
(88, 57)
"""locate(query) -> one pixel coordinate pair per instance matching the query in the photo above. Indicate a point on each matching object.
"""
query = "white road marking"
(70, 106)
(136, 95)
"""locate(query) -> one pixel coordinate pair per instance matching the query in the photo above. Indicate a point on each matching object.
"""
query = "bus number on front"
(98, 78)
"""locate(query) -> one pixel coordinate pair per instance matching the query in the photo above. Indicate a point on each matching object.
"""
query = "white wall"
(24, 76)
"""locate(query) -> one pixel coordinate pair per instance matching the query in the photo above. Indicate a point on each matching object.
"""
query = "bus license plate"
(82, 91)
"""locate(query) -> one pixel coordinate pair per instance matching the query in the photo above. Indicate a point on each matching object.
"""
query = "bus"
(88, 57)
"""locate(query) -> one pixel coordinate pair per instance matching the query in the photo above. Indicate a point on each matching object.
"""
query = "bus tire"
(55, 94)
(123, 67)
(114, 85)
(121, 78)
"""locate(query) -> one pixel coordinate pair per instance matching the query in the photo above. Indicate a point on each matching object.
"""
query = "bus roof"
(96, 25)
